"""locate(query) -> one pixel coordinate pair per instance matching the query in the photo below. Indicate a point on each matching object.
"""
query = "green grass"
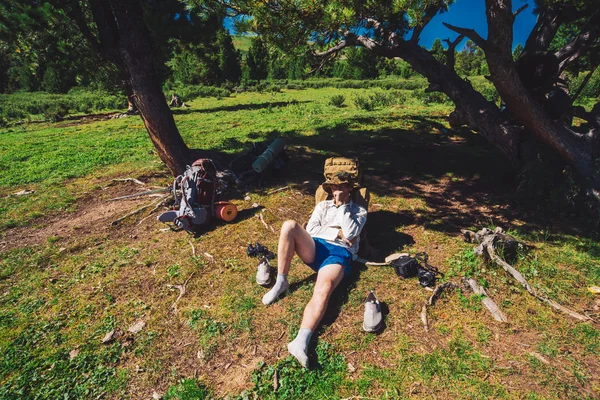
(294, 382)
(60, 296)
(242, 43)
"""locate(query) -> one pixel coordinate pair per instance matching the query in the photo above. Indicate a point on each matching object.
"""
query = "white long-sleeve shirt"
(327, 219)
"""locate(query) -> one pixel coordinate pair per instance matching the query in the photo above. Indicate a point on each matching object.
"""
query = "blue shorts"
(327, 253)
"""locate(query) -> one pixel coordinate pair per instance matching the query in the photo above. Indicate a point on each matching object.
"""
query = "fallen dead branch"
(129, 180)
(424, 318)
(275, 381)
(147, 192)
(489, 239)
(182, 289)
(487, 301)
(138, 210)
(437, 292)
(278, 190)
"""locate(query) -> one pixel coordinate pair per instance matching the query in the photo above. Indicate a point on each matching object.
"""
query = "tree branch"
(430, 12)
(349, 41)
(470, 33)
(450, 51)
(524, 6)
(576, 47)
(77, 15)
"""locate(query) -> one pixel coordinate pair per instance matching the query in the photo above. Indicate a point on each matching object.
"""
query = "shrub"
(337, 100)
(55, 112)
(11, 113)
(194, 91)
(364, 103)
(431, 97)
(382, 99)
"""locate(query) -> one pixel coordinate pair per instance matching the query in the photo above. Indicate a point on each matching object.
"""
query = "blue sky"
(467, 14)
(471, 14)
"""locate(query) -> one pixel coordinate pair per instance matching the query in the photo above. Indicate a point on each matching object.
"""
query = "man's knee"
(322, 292)
(290, 226)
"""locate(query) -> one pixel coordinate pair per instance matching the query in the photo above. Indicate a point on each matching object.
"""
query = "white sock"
(280, 286)
(299, 346)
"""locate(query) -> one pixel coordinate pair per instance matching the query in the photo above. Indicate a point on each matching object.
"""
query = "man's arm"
(315, 227)
(351, 223)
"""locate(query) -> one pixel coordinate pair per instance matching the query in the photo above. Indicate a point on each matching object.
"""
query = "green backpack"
(335, 165)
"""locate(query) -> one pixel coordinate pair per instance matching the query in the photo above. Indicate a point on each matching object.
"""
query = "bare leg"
(327, 280)
(293, 239)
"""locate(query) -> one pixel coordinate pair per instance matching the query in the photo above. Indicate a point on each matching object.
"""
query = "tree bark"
(135, 51)
(123, 39)
(578, 150)
(476, 112)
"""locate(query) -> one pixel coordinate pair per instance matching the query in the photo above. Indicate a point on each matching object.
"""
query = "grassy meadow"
(69, 274)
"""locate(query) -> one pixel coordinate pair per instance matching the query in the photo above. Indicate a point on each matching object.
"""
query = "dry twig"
(129, 180)
(158, 205)
(193, 248)
(437, 292)
(182, 289)
(262, 219)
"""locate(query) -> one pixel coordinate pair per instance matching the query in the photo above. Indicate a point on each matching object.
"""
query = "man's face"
(341, 194)
(341, 189)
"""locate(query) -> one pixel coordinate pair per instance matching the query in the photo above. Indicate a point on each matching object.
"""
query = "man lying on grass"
(327, 245)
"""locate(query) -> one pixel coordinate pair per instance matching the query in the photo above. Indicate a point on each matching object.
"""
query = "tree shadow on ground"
(237, 107)
(442, 179)
(384, 236)
(461, 183)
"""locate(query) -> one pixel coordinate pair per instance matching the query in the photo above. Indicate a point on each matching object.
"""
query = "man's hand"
(344, 239)
(340, 196)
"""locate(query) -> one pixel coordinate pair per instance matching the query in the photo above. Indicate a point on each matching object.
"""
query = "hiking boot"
(263, 274)
(373, 320)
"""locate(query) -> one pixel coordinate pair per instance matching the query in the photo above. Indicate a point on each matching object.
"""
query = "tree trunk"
(136, 53)
(577, 149)
(474, 110)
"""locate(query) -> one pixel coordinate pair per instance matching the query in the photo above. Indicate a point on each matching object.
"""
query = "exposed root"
(182, 289)
(146, 193)
(486, 301)
(488, 240)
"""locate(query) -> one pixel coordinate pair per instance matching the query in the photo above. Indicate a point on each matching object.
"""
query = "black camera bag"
(406, 267)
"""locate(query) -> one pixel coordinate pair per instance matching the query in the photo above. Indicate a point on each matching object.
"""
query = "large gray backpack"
(198, 186)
